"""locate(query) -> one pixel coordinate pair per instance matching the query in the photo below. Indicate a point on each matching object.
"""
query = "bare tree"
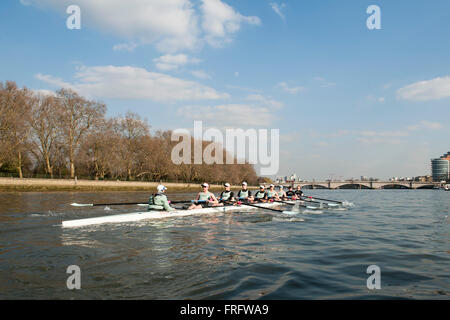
(14, 129)
(131, 129)
(67, 131)
(75, 117)
(43, 122)
(97, 151)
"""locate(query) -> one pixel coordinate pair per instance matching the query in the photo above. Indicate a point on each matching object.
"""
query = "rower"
(227, 195)
(272, 194)
(299, 192)
(291, 194)
(261, 194)
(281, 193)
(207, 199)
(244, 193)
(159, 200)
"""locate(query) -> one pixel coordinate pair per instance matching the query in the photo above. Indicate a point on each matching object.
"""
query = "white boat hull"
(138, 216)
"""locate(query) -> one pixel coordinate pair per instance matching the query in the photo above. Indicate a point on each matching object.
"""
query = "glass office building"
(440, 168)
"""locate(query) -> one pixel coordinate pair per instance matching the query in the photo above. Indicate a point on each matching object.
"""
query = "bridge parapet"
(364, 184)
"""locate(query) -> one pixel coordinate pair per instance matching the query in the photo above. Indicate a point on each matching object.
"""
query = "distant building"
(423, 179)
(440, 168)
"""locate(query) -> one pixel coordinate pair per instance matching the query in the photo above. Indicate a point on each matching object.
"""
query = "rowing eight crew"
(205, 198)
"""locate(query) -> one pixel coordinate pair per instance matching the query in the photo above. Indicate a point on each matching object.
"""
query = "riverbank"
(30, 185)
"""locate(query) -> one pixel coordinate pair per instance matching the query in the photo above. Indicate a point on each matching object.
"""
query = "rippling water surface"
(241, 255)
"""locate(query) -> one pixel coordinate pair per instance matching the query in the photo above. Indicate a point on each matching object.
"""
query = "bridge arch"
(314, 186)
(427, 186)
(394, 186)
(353, 186)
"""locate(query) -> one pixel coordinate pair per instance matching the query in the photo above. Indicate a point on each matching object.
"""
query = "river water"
(240, 255)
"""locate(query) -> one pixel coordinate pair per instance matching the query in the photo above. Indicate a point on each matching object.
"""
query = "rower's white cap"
(227, 185)
(244, 183)
(161, 188)
(205, 184)
(271, 185)
(261, 187)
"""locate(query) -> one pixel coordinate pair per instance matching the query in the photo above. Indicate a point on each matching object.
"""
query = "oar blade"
(333, 205)
(82, 204)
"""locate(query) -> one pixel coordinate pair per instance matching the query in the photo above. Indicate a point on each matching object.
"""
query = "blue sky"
(348, 101)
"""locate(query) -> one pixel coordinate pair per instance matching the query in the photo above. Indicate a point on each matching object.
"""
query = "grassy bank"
(43, 185)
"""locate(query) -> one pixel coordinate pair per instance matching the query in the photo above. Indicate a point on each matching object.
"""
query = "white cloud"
(381, 137)
(200, 74)
(229, 115)
(134, 83)
(125, 47)
(220, 21)
(292, 90)
(425, 125)
(376, 140)
(384, 133)
(322, 144)
(265, 101)
(435, 89)
(57, 82)
(372, 98)
(44, 92)
(170, 25)
(229, 86)
(172, 62)
(278, 9)
(324, 83)
(431, 125)
(259, 111)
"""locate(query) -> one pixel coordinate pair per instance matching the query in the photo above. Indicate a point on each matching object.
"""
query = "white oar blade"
(142, 204)
(290, 212)
(82, 204)
(332, 205)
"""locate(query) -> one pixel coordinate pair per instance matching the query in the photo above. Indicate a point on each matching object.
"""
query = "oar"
(186, 201)
(229, 202)
(104, 204)
(323, 199)
(321, 203)
(124, 203)
(280, 201)
(300, 205)
(252, 205)
(309, 201)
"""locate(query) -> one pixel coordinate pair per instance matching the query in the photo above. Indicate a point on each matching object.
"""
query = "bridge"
(356, 184)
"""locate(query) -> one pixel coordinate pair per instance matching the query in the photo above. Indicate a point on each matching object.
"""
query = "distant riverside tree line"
(66, 135)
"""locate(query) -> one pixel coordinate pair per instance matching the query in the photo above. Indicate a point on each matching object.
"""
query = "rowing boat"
(137, 216)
